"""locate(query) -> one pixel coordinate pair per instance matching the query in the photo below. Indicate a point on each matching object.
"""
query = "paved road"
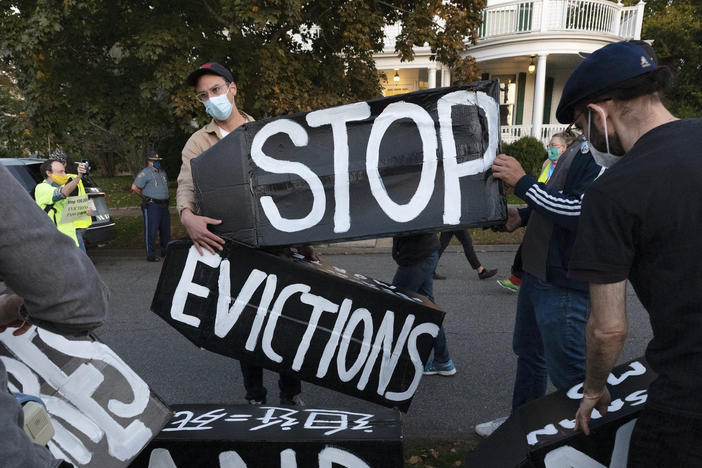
(479, 323)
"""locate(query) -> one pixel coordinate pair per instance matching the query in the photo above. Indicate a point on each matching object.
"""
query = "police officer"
(151, 184)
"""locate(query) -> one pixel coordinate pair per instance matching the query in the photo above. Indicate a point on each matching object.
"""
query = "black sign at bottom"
(275, 436)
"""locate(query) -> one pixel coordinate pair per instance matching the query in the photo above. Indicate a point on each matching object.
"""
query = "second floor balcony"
(515, 18)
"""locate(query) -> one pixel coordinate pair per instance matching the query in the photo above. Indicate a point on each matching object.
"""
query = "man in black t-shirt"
(641, 220)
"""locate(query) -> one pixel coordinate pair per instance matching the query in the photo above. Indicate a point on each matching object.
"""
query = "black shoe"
(152, 259)
(485, 274)
(163, 253)
(438, 276)
(257, 402)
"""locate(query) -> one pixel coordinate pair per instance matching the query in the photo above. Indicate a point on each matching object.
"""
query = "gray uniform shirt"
(62, 292)
(153, 183)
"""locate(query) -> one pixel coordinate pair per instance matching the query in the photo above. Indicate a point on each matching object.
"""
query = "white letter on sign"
(337, 118)
(298, 135)
(425, 125)
(186, 285)
(453, 171)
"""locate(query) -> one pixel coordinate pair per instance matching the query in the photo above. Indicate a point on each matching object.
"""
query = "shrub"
(530, 153)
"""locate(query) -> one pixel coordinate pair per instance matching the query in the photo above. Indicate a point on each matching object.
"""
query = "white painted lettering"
(425, 125)
(333, 342)
(276, 312)
(337, 117)
(226, 317)
(421, 329)
(453, 171)
(359, 315)
(186, 285)
(299, 137)
(319, 306)
(390, 355)
(263, 306)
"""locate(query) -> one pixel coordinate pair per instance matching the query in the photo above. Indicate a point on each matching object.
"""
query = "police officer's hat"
(153, 156)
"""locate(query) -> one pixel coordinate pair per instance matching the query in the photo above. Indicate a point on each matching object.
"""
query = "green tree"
(676, 29)
(106, 77)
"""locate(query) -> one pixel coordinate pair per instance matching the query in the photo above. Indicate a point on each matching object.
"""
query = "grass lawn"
(119, 193)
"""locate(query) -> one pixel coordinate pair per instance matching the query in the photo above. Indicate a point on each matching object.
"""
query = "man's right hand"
(513, 219)
(198, 232)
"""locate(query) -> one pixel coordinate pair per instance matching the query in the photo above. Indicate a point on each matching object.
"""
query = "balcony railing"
(521, 17)
(599, 16)
(512, 133)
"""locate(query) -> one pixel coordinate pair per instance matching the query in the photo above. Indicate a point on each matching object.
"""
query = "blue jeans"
(418, 278)
(79, 236)
(549, 338)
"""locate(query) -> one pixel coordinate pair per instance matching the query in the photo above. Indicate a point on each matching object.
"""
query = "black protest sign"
(540, 433)
(275, 437)
(102, 412)
(331, 327)
(401, 164)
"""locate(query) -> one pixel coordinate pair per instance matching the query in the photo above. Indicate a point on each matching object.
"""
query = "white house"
(531, 46)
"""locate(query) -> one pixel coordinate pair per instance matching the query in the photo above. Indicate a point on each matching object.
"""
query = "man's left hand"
(507, 169)
(587, 404)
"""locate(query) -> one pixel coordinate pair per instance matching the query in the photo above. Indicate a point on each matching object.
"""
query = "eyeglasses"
(216, 90)
(572, 125)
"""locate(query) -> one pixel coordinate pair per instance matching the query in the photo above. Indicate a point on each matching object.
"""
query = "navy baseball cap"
(600, 71)
(209, 68)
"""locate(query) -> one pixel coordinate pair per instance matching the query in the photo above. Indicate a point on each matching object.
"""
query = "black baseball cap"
(601, 70)
(209, 68)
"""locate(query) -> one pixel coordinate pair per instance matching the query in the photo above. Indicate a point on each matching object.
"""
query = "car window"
(23, 174)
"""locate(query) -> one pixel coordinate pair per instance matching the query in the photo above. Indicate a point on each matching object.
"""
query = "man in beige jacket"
(215, 88)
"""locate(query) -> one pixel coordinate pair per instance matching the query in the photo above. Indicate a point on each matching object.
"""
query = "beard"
(597, 140)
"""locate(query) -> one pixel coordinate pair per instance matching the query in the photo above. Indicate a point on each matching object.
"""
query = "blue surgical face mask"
(553, 153)
(219, 107)
(157, 165)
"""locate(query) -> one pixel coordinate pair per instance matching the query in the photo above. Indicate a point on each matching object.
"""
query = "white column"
(639, 19)
(544, 15)
(537, 114)
(432, 76)
(445, 76)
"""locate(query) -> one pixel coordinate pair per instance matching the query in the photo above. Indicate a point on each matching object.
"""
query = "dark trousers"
(156, 219)
(665, 440)
(517, 263)
(463, 237)
(253, 382)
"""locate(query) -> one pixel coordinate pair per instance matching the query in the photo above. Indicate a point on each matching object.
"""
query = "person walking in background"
(151, 184)
(416, 258)
(463, 237)
(558, 144)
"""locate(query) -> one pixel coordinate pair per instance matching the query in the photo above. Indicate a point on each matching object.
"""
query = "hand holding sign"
(600, 401)
(198, 232)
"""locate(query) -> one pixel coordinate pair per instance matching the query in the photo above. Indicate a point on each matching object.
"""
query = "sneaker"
(438, 276)
(294, 401)
(508, 285)
(152, 259)
(433, 368)
(485, 274)
(486, 429)
(257, 402)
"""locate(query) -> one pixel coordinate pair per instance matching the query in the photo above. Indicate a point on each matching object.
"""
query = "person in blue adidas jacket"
(552, 309)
